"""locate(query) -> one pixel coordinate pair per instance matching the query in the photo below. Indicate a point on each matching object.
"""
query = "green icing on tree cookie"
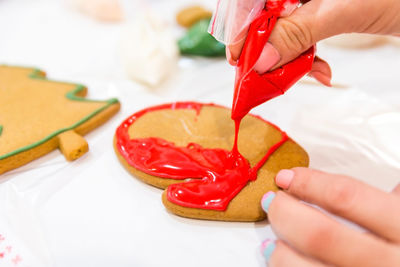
(72, 95)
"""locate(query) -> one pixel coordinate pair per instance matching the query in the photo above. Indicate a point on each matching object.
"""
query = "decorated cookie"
(186, 148)
(198, 42)
(38, 115)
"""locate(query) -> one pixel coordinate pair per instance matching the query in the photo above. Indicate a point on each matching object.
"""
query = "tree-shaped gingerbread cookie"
(38, 115)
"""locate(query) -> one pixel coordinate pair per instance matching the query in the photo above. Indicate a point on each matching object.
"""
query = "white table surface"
(91, 212)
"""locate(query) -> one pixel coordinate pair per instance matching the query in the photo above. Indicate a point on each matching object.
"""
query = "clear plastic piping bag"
(232, 18)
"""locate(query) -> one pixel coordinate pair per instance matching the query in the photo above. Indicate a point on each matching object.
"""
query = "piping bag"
(231, 19)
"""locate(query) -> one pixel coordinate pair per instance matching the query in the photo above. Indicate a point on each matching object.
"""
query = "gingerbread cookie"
(186, 148)
(38, 115)
(190, 15)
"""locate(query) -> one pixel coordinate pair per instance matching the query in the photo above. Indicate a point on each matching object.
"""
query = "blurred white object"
(148, 50)
(355, 40)
(104, 10)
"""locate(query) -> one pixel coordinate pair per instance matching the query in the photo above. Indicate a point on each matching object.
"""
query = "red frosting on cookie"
(217, 174)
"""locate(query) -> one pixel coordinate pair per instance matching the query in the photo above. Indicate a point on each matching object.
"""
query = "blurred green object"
(197, 41)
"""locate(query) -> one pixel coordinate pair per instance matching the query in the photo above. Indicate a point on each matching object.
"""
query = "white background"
(91, 212)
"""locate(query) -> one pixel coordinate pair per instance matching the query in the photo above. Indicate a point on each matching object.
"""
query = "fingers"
(285, 256)
(229, 57)
(291, 36)
(321, 71)
(346, 197)
(233, 51)
(318, 19)
(313, 21)
(316, 235)
(268, 58)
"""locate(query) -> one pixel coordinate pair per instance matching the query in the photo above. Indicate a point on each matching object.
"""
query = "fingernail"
(267, 248)
(268, 58)
(321, 77)
(267, 199)
(284, 178)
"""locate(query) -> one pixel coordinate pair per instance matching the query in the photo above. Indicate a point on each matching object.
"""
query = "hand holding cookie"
(316, 239)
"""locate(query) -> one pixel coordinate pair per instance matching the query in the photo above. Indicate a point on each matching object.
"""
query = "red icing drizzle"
(216, 175)
(253, 89)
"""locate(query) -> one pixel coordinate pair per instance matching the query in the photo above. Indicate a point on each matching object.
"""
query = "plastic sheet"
(91, 212)
(50, 209)
(360, 138)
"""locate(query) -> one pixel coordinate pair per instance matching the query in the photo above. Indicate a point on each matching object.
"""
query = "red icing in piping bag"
(217, 175)
(253, 89)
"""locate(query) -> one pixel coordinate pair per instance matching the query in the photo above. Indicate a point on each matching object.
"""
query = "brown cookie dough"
(38, 115)
(190, 15)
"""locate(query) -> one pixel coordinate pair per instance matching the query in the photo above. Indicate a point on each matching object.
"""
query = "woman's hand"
(317, 20)
(308, 236)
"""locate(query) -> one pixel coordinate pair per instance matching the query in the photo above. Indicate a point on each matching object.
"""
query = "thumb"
(292, 36)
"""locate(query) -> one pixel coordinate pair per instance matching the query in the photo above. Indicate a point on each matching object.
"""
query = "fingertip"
(284, 178)
(321, 77)
(265, 244)
(267, 248)
(321, 71)
(229, 58)
(269, 58)
(267, 199)
(233, 51)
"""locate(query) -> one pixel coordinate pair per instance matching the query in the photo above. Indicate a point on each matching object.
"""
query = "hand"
(317, 20)
(307, 236)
